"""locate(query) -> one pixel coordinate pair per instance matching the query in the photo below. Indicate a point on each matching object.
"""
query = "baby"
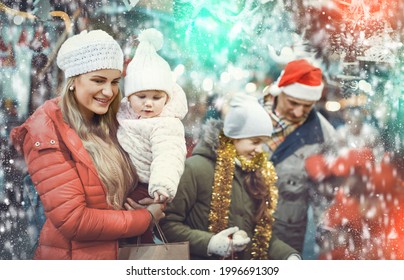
(150, 115)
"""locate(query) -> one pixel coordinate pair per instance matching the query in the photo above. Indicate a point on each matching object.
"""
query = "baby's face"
(148, 103)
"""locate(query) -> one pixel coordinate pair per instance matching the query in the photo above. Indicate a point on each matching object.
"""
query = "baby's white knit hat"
(148, 70)
(89, 51)
(246, 118)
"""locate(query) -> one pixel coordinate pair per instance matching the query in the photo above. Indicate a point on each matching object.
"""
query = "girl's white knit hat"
(89, 51)
(148, 70)
(246, 118)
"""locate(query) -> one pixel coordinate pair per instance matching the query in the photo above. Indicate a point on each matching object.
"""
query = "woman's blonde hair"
(99, 139)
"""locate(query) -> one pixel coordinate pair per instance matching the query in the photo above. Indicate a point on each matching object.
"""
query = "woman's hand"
(130, 204)
(156, 210)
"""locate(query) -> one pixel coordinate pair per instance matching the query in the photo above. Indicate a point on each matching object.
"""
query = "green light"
(206, 34)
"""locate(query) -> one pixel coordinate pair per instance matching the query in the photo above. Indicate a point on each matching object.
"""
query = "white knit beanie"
(246, 118)
(89, 51)
(148, 70)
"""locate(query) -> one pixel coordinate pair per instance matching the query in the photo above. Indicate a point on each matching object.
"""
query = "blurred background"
(216, 49)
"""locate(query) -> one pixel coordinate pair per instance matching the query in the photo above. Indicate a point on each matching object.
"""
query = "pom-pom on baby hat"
(148, 70)
(246, 118)
(89, 51)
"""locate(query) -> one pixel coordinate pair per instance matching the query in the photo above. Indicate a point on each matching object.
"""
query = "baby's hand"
(161, 197)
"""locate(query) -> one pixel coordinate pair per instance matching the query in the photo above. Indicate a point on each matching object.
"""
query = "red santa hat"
(299, 79)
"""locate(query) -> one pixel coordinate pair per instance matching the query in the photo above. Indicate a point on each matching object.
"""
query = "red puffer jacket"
(79, 224)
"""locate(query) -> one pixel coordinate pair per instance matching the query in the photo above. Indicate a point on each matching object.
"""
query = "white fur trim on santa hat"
(305, 92)
(296, 90)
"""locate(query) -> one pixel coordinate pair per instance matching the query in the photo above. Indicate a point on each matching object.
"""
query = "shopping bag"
(164, 251)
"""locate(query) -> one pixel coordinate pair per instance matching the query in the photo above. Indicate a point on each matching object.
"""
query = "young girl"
(74, 159)
(150, 116)
(227, 194)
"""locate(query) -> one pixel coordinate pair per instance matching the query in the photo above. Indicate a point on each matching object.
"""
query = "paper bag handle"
(161, 233)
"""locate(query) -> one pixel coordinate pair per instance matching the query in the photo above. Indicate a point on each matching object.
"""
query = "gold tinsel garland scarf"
(221, 194)
(263, 229)
(222, 184)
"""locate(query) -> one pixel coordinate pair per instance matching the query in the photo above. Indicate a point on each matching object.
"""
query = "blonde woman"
(79, 170)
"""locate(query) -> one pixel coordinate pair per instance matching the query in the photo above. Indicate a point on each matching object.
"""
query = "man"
(299, 131)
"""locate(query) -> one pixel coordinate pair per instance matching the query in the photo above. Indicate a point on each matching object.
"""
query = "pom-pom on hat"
(148, 70)
(246, 118)
(299, 79)
(89, 51)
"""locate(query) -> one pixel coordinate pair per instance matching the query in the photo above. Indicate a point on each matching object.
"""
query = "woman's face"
(148, 103)
(95, 91)
(249, 147)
